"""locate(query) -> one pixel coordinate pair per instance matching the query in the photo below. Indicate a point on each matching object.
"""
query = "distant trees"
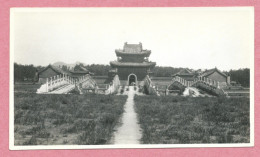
(98, 69)
(159, 71)
(65, 68)
(241, 76)
(77, 67)
(25, 72)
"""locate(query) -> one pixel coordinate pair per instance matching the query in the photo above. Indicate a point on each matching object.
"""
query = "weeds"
(182, 120)
(89, 118)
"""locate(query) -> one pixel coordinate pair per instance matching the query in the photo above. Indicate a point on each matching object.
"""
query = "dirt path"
(129, 132)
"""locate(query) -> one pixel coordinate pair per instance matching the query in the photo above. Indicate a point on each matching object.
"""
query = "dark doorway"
(132, 80)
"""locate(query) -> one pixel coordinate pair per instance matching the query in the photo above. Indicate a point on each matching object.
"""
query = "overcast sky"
(178, 37)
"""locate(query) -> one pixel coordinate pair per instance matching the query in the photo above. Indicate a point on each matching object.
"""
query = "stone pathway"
(129, 132)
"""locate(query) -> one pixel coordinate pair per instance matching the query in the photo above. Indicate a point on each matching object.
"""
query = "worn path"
(129, 132)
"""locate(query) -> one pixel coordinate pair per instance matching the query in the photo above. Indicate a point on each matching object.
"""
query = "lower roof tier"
(144, 53)
(132, 64)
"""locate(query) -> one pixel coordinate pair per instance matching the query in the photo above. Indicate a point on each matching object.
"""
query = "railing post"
(51, 84)
(58, 78)
(47, 85)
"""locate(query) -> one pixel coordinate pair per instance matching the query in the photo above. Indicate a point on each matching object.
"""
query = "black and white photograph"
(83, 78)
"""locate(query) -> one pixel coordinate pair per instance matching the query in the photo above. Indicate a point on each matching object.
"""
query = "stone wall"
(46, 74)
(148, 87)
(114, 86)
(123, 73)
(217, 77)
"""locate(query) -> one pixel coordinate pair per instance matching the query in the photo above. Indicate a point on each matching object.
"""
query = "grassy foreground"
(187, 120)
(65, 119)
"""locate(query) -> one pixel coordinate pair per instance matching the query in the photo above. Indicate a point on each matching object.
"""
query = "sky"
(197, 38)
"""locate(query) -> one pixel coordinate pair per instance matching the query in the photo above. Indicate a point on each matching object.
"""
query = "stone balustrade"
(206, 81)
(58, 81)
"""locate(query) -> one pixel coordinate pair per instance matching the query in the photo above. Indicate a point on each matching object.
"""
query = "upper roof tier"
(133, 49)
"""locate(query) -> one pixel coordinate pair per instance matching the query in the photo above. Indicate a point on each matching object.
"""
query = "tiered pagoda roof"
(132, 49)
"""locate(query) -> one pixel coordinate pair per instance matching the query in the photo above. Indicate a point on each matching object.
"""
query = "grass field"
(26, 88)
(64, 119)
(187, 120)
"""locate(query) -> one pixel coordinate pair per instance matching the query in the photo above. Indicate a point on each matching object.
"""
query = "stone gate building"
(132, 64)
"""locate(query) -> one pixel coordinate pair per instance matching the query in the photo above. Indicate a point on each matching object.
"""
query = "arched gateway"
(132, 79)
(132, 64)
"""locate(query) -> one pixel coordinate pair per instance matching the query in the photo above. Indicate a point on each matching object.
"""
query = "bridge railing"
(204, 83)
(85, 78)
(55, 82)
(58, 81)
(203, 80)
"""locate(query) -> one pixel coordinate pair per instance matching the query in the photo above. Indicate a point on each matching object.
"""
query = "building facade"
(216, 75)
(132, 64)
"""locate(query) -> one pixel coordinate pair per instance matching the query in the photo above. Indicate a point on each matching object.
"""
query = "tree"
(241, 76)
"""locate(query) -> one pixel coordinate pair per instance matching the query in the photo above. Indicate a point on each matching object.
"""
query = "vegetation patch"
(187, 120)
(65, 119)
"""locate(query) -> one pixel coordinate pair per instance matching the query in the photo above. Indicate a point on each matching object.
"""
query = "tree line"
(25, 72)
(28, 72)
(241, 76)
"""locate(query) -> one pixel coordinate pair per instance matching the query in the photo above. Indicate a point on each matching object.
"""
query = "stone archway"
(132, 79)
